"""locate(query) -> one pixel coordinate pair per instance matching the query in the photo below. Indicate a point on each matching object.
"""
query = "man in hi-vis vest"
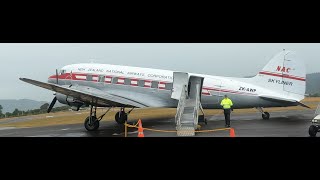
(227, 104)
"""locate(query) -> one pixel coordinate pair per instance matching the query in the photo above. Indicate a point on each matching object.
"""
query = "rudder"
(284, 73)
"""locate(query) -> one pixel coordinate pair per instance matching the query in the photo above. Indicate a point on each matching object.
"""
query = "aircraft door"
(180, 79)
(195, 85)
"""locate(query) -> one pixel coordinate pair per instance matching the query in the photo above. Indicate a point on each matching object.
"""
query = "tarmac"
(281, 124)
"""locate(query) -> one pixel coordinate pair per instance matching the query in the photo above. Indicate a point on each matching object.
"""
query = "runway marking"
(45, 135)
(116, 134)
(74, 135)
(5, 128)
(7, 134)
(65, 129)
(60, 135)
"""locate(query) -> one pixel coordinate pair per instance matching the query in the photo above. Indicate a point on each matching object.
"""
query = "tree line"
(41, 110)
(315, 95)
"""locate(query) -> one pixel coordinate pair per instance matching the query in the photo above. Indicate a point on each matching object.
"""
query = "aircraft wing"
(87, 94)
(277, 99)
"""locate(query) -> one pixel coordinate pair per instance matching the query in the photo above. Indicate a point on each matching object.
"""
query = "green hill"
(9, 105)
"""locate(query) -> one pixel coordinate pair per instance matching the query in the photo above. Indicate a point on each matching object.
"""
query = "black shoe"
(226, 126)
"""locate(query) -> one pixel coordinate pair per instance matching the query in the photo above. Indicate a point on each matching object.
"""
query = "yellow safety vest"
(226, 103)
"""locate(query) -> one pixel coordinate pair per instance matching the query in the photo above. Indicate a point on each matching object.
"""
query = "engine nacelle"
(69, 100)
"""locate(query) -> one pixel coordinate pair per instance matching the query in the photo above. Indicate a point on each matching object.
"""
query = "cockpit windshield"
(62, 71)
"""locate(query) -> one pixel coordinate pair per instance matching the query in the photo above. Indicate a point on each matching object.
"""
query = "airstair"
(187, 89)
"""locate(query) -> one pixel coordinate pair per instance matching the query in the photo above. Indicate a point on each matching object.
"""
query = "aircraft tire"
(266, 115)
(92, 127)
(313, 131)
(122, 118)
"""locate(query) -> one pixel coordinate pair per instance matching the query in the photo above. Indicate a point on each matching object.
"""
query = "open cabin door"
(195, 87)
(180, 80)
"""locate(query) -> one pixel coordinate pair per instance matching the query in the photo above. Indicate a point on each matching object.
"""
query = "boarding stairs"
(188, 91)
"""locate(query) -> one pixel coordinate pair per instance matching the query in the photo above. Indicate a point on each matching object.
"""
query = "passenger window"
(89, 77)
(169, 86)
(101, 78)
(154, 84)
(141, 83)
(114, 80)
(127, 81)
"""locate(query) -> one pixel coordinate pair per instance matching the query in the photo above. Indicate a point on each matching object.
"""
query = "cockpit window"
(63, 72)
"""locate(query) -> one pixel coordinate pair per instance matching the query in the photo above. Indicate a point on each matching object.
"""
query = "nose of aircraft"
(52, 79)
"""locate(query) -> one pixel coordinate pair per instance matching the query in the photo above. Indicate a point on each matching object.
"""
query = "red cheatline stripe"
(162, 85)
(146, 81)
(65, 76)
(134, 82)
(229, 91)
(281, 74)
(284, 76)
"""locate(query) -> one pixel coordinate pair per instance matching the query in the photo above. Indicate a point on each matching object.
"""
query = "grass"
(71, 117)
(76, 118)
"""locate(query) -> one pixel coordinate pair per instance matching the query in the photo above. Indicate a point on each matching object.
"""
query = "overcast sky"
(39, 61)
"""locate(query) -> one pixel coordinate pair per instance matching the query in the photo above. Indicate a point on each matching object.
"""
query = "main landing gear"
(121, 117)
(92, 123)
(265, 115)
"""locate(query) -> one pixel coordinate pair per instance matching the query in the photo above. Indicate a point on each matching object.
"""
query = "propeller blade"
(57, 75)
(52, 104)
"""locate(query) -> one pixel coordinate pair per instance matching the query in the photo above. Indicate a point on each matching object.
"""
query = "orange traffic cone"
(140, 129)
(232, 134)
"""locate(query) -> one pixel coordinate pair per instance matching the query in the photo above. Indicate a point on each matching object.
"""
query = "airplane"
(281, 83)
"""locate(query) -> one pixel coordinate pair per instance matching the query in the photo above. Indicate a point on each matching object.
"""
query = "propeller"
(52, 104)
(55, 97)
(57, 75)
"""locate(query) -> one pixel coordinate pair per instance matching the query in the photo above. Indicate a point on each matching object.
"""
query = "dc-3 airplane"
(281, 83)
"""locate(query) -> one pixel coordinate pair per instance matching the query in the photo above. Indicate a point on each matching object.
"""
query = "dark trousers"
(227, 116)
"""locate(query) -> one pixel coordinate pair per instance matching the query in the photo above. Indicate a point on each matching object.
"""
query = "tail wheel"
(94, 123)
(313, 131)
(266, 115)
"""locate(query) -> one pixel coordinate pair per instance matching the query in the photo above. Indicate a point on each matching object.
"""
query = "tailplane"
(284, 74)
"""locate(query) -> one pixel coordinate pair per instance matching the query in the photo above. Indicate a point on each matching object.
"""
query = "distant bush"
(315, 95)
(1, 115)
(42, 110)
